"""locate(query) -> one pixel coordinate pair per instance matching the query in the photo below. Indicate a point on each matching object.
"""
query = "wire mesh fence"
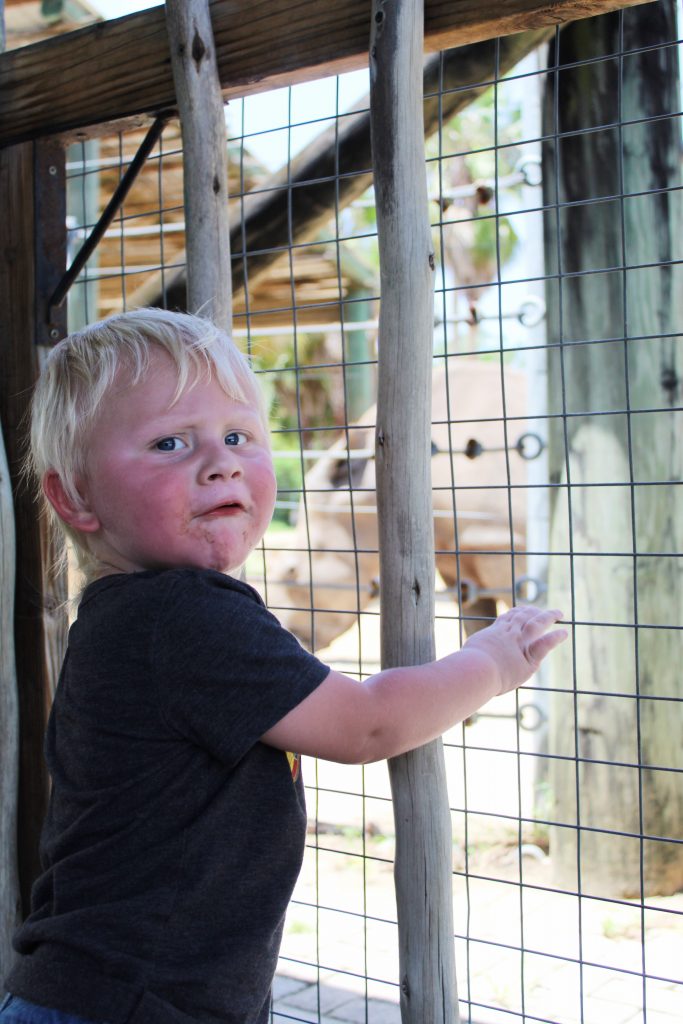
(556, 467)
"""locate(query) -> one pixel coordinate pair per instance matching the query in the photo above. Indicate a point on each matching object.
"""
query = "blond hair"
(81, 370)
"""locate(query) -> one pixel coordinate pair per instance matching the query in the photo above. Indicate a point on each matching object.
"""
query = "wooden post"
(9, 726)
(418, 779)
(39, 619)
(10, 903)
(205, 159)
(18, 369)
(626, 536)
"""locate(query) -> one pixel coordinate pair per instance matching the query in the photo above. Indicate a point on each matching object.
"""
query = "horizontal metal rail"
(528, 446)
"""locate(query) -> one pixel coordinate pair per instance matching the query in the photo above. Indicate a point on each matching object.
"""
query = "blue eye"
(170, 444)
(235, 437)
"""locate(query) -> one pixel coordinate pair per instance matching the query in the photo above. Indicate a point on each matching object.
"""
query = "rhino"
(331, 563)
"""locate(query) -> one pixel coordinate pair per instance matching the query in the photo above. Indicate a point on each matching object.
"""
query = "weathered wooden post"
(33, 232)
(205, 159)
(9, 724)
(403, 441)
(619, 828)
(9, 703)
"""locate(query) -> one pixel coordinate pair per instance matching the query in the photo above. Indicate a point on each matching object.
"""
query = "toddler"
(176, 823)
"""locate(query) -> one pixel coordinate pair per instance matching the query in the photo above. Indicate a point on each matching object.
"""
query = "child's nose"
(221, 462)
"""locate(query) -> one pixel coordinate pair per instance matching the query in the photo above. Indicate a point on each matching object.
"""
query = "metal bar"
(528, 446)
(438, 513)
(110, 211)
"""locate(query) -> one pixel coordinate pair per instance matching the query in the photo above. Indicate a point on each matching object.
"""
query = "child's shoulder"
(168, 601)
(204, 581)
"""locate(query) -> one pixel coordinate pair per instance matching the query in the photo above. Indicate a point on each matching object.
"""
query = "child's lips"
(227, 509)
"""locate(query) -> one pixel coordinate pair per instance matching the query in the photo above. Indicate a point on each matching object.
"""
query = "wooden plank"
(205, 160)
(422, 868)
(121, 69)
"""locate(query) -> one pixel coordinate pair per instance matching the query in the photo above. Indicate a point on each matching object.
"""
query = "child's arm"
(402, 708)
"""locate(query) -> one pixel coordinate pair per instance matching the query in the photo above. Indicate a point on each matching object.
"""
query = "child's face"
(189, 484)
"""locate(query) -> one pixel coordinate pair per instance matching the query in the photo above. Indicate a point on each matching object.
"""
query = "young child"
(176, 824)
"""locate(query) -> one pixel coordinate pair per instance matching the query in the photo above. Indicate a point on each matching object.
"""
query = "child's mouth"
(230, 508)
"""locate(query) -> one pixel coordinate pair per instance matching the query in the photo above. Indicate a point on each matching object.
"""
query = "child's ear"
(78, 516)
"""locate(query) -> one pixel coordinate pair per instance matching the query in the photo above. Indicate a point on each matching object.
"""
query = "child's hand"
(517, 642)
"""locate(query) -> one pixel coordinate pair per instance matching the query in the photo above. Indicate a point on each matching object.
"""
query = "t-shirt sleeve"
(228, 671)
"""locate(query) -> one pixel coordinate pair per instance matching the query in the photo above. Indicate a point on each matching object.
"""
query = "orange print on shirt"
(294, 761)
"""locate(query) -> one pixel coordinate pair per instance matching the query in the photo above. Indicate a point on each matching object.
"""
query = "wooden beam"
(120, 70)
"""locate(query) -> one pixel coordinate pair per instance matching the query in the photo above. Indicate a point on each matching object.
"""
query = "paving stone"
(326, 996)
(378, 1012)
(284, 986)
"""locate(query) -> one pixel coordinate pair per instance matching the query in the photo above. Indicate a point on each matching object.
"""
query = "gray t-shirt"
(174, 837)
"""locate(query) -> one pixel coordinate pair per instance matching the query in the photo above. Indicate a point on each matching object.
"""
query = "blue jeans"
(17, 1011)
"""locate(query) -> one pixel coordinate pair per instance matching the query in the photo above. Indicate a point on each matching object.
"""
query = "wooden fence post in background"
(10, 903)
(404, 500)
(205, 159)
(39, 621)
(619, 831)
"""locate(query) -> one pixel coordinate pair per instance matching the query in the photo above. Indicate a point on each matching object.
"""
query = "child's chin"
(227, 566)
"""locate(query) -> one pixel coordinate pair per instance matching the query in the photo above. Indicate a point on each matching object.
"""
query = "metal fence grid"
(531, 944)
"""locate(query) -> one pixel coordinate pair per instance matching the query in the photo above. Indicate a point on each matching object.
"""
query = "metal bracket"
(50, 228)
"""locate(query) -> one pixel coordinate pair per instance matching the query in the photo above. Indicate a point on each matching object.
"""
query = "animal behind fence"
(328, 572)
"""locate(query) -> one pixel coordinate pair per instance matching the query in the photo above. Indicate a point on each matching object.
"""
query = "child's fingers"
(538, 649)
(536, 641)
(539, 621)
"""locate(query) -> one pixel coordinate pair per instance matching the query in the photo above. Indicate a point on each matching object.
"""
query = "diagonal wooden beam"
(120, 70)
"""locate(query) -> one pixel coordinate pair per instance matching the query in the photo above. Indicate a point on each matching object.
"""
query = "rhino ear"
(347, 473)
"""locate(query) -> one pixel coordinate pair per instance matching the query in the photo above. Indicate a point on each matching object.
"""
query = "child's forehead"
(166, 383)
